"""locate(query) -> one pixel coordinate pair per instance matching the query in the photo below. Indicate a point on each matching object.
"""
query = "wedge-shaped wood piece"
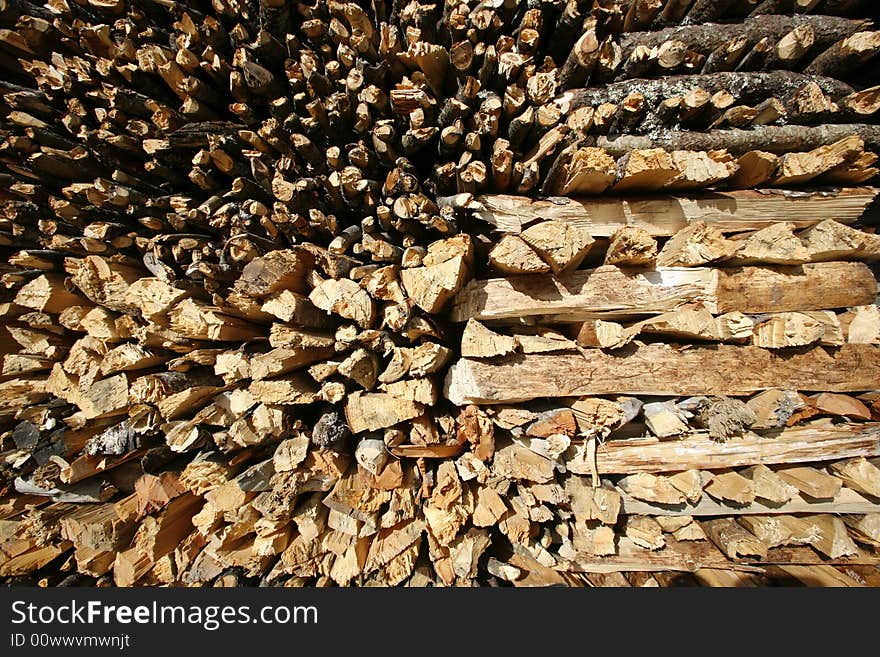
(345, 298)
(513, 256)
(602, 334)
(631, 246)
(379, 410)
(645, 532)
(861, 324)
(831, 537)
(698, 244)
(645, 170)
(295, 308)
(660, 369)
(283, 360)
(733, 539)
(664, 215)
(858, 474)
(47, 293)
(732, 487)
(276, 271)
(787, 330)
(755, 168)
(193, 319)
(772, 408)
(779, 529)
(769, 486)
(651, 488)
(841, 405)
(811, 482)
(477, 341)
(800, 167)
(864, 528)
(563, 246)
(445, 269)
(776, 244)
(831, 240)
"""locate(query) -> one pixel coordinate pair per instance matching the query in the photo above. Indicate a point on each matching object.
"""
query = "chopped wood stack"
(564, 292)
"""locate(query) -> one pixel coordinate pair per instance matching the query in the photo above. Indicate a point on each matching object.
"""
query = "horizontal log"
(816, 442)
(846, 501)
(609, 292)
(664, 215)
(677, 556)
(771, 138)
(705, 36)
(662, 369)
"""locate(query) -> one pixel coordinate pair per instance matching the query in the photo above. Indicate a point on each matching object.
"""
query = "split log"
(770, 138)
(663, 216)
(845, 501)
(656, 369)
(817, 442)
(609, 292)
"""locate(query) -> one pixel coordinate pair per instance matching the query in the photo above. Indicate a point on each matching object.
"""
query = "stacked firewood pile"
(417, 293)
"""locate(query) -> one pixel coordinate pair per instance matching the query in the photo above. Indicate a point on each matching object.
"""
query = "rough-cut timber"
(818, 442)
(660, 369)
(609, 292)
(663, 216)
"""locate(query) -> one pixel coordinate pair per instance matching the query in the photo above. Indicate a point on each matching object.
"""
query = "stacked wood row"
(377, 294)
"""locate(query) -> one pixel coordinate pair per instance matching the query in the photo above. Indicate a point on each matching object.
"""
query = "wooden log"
(846, 501)
(706, 36)
(820, 441)
(770, 138)
(609, 292)
(734, 540)
(657, 369)
(662, 216)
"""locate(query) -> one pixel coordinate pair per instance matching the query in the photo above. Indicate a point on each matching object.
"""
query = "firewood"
(774, 139)
(773, 408)
(835, 404)
(663, 216)
(862, 324)
(477, 341)
(562, 246)
(445, 269)
(859, 475)
(775, 244)
(769, 486)
(831, 539)
(864, 528)
(214, 215)
(645, 170)
(644, 531)
(664, 419)
(512, 255)
(830, 240)
(733, 540)
(651, 488)
(519, 378)
(845, 55)
(631, 246)
(732, 487)
(696, 245)
(810, 481)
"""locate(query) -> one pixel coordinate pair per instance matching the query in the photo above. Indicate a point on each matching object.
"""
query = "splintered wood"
(439, 294)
